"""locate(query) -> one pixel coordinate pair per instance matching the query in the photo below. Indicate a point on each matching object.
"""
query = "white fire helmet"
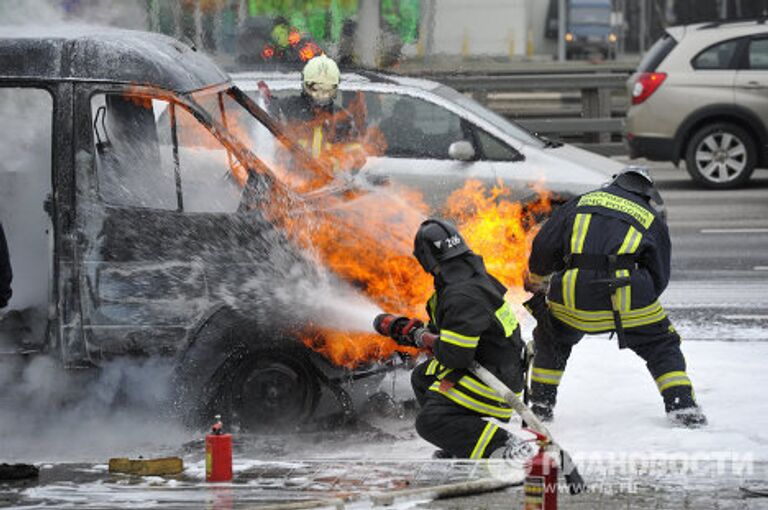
(320, 79)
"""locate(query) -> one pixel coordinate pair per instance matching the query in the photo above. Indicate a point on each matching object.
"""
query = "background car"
(700, 94)
(438, 138)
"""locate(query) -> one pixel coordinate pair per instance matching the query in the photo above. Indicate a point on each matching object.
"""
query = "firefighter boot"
(442, 454)
(516, 450)
(681, 407)
(543, 411)
(543, 398)
(689, 417)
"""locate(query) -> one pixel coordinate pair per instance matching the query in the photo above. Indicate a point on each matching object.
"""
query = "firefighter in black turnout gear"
(606, 255)
(474, 322)
(317, 122)
(6, 275)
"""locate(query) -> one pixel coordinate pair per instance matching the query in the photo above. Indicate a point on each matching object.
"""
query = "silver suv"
(437, 139)
(700, 94)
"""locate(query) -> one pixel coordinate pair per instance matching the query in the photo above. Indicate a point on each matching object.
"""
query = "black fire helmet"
(638, 180)
(437, 241)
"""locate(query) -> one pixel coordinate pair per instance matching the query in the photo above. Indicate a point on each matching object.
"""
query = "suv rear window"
(656, 55)
(719, 56)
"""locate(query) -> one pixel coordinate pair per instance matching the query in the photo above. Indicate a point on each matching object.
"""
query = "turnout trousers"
(657, 344)
(462, 432)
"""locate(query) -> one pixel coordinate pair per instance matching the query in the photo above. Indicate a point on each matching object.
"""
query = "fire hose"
(407, 331)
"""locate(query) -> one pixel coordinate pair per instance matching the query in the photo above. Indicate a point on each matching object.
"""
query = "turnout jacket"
(6, 275)
(474, 322)
(608, 221)
(316, 129)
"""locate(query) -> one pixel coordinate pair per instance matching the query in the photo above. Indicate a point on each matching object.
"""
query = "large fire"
(368, 241)
(366, 236)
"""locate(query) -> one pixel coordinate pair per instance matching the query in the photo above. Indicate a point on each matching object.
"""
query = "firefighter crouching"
(468, 320)
(606, 255)
(317, 122)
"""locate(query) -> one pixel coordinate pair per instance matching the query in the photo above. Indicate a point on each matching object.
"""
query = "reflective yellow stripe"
(317, 140)
(631, 243)
(432, 367)
(578, 235)
(546, 375)
(482, 442)
(481, 389)
(442, 374)
(595, 321)
(670, 379)
(469, 342)
(580, 227)
(432, 306)
(507, 318)
(534, 489)
(465, 400)
(609, 201)
(569, 287)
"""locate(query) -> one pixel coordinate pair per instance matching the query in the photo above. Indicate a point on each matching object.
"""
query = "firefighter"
(317, 123)
(606, 257)
(474, 322)
(6, 275)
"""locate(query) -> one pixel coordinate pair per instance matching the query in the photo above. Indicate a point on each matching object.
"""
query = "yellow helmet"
(320, 79)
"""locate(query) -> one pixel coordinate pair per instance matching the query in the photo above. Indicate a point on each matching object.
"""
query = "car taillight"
(645, 85)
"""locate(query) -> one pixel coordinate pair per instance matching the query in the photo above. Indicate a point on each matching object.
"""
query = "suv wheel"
(721, 156)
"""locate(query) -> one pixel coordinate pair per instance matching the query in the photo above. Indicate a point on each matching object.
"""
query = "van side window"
(133, 168)
(720, 56)
(207, 182)
(141, 164)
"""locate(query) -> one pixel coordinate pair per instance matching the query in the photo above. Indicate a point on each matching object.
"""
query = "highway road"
(716, 234)
(719, 286)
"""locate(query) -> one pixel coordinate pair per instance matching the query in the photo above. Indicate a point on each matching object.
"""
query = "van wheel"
(721, 156)
(271, 388)
(254, 382)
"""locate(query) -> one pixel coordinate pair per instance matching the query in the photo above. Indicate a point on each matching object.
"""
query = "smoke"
(48, 412)
(329, 303)
(51, 414)
(123, 14)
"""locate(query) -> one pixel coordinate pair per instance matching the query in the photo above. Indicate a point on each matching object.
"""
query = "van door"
(25, 188)
(161, 238)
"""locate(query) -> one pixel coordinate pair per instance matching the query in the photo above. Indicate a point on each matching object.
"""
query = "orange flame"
(366, 238)
(499, 229)
(349, 350)
(368, 241)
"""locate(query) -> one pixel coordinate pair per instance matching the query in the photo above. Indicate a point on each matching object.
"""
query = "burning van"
(144, 218)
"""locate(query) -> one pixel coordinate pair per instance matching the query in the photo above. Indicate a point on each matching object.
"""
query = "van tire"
(721, 156)
(253, 381)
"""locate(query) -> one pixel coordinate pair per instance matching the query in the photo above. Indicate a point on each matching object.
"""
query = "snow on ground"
(609, 405)
(609, 402)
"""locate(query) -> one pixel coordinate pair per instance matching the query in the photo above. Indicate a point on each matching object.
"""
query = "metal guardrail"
(596, 125)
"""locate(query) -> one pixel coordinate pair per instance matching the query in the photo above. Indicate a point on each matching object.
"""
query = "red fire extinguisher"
(541, 478)
(218, 454)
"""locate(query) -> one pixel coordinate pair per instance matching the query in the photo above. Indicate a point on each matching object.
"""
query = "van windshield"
(236, 112)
